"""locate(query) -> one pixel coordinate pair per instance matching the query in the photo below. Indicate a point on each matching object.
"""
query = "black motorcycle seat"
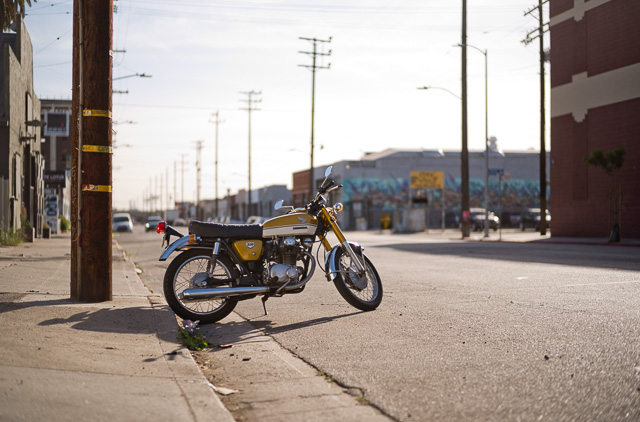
(232, 231)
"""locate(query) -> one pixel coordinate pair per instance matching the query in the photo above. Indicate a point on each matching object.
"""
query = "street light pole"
(486, 139)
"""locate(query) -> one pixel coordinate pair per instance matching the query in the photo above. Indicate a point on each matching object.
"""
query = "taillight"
(161, 226)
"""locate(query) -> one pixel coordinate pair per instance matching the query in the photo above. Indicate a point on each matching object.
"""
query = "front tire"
(366, 299)
(180, 275)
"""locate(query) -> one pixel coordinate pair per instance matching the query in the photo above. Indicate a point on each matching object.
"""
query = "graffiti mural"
(389, 193)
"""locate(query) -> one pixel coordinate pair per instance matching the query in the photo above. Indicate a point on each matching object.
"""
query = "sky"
(204, 55)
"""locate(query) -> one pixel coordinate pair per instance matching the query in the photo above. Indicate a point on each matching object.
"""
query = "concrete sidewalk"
(112, 361)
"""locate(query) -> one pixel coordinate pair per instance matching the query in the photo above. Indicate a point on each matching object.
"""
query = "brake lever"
(334, 188)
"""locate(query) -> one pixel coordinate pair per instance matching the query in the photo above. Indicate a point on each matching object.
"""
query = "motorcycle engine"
(284, 254)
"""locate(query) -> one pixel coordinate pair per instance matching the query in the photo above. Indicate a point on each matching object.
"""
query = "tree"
(610, 162)
(10, 8)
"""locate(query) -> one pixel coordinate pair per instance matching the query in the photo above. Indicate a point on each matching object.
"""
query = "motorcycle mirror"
(278, 205)
(327, 172)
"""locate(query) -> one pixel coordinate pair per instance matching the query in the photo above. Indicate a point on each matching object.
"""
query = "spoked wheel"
(189, 270)
(364, 293)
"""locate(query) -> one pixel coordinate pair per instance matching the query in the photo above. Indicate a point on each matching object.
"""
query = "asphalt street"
(468, 330)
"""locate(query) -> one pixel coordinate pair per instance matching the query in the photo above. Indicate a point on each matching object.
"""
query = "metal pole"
(486, 146)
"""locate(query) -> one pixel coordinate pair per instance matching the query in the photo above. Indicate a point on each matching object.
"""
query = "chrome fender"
(332, 263)
(172, 247)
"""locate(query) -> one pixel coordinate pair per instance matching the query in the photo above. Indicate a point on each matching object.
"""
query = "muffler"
(203, 293)
(219, 292)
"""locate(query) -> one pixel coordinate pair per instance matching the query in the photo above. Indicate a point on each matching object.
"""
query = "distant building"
(56, 148)
(595, 105)
(21, 160)
(262, 202)
(380, 184)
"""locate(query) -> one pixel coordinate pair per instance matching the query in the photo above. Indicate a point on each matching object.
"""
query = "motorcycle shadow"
(234, 329)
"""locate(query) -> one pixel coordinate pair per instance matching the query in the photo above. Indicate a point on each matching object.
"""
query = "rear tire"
(179, 276)
(366, 299)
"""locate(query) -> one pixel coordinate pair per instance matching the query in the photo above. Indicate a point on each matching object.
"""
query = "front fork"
(343, 241)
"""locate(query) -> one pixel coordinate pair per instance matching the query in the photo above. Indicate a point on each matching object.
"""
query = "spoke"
(183, 281)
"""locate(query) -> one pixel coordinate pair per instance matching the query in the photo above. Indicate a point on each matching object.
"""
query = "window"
(57, 124)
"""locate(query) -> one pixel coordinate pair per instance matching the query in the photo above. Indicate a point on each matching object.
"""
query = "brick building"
(595, 104)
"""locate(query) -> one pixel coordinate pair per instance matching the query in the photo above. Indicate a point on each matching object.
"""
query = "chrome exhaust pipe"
(220, 292)
(202, 293)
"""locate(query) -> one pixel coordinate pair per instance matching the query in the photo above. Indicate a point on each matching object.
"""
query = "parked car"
(530, 218)
(476, 217)
(122, 222)
(452, 220)
(179, 222)
(152, 223)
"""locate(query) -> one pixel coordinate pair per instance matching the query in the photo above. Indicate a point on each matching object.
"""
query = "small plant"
(326, 376)
(362, 401)
(190, 339)
(10, 238)
(611, 162)
(64, 224)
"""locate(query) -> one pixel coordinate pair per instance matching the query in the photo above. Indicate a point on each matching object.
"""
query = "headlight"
(338, 207)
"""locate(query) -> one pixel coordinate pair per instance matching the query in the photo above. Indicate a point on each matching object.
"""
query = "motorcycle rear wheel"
(366, 299)
(179, 276)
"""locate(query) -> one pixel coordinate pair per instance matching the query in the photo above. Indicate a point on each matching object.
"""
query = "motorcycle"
(222, 264)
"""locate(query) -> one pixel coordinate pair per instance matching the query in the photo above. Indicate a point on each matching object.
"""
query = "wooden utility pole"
(199, 211)
(250, 107)
(543, 149)
(217, 122)
(91, 202)
(464, 169)
(314, 67)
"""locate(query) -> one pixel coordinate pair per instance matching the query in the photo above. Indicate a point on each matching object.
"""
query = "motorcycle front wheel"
(350, 286)
(188, 270)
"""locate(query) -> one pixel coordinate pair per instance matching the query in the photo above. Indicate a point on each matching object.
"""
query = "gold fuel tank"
(296, 224)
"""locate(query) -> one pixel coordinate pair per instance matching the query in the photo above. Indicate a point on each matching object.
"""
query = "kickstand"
(264, 304)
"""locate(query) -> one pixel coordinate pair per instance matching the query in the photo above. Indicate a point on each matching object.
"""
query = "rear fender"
(179, 243)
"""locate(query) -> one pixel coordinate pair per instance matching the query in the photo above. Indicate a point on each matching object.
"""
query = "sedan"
(152, 223)
(122, 222)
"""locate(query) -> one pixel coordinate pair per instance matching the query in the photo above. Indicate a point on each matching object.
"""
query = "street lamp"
(486, 139)
(443, 89)
(459, 98)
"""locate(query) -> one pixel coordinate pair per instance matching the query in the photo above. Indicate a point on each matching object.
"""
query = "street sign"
(427, 179)
(495, 172)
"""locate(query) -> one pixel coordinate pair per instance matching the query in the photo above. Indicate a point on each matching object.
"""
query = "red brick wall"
(614, 35)
(581, 192)
(559, 6)
(607, 38)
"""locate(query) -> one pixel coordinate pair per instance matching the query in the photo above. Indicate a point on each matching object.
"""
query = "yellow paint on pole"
(97, 148)
(96, 188)
(96, 113)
